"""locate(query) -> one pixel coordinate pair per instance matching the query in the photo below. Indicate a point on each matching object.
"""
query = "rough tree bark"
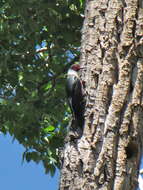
(107, 154)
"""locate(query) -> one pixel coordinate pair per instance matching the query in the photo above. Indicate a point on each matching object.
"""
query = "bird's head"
(76, 67)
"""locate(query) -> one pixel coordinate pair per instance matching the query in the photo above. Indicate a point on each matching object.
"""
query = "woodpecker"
(74, 92)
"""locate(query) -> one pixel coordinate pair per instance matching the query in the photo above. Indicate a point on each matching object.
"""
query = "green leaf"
(52, 170)
(49, 129)
(47, 86)
(81, 2)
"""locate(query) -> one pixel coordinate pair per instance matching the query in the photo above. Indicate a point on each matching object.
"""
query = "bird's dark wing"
(70, 90)
(75, 98)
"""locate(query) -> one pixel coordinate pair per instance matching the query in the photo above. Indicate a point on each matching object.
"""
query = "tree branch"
(41, 50)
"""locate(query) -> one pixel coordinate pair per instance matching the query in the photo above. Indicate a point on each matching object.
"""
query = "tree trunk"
(107, 154)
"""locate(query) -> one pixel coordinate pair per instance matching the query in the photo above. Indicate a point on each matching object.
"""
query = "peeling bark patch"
(110, 94)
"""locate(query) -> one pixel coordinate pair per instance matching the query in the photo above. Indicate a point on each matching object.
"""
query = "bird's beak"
(82, 67)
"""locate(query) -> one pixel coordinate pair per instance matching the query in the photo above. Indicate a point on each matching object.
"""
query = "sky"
(17, 176)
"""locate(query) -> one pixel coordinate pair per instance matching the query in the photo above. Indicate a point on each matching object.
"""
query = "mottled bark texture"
(107, 155)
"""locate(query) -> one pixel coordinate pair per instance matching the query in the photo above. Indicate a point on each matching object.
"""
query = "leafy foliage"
(39, 40)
